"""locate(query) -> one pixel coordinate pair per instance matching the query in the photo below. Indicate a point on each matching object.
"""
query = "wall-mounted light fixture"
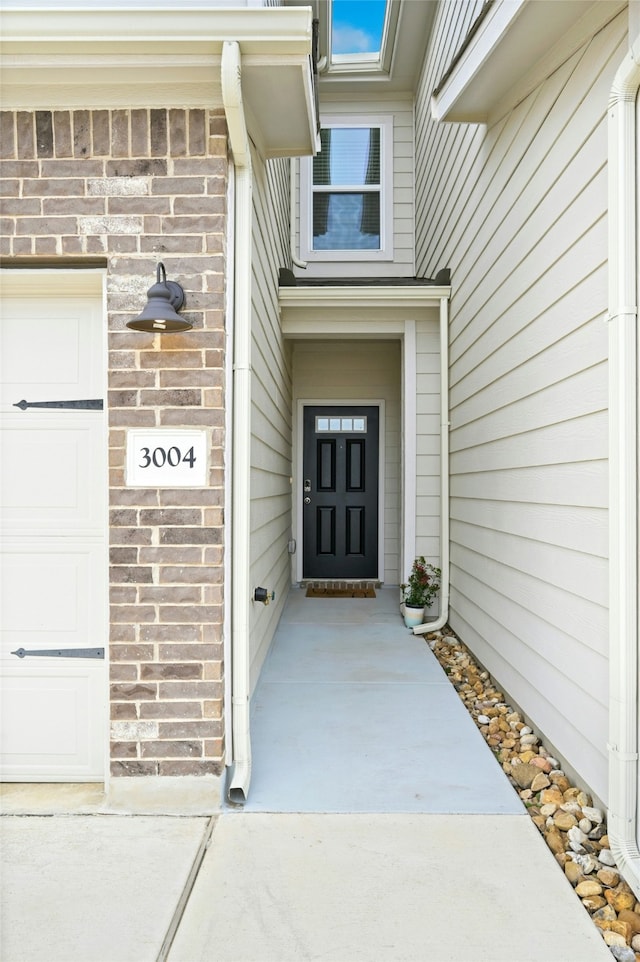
(164, 300)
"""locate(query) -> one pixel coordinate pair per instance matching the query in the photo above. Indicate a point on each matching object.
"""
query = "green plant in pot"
(420, 591)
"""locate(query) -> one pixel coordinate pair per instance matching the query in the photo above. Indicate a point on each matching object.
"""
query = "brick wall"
(135, 187)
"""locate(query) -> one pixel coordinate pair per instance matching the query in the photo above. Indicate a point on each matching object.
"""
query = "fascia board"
(134, 56)
(278, 30)
(362, 296)
(518, 44)
(492, 31)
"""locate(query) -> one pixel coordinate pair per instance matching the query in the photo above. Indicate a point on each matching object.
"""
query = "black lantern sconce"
(160, 315)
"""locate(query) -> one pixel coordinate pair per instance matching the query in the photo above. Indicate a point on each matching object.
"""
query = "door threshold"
(340, 583)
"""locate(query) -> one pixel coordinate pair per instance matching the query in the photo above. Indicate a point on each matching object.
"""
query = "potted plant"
(418, 594)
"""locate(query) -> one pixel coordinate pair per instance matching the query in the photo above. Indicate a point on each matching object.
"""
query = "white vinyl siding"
(518, 211)
(360, 370)
(271, 407)
(402, 262)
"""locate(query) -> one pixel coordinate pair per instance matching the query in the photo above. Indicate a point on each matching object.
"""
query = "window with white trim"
(346, 210)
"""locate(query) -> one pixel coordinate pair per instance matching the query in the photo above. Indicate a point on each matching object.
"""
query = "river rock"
(528, 739)
(542, 763)
(598, 833)
(564, 820)
(524, 775)
(593, 814)
(605, 914)
(632, 918)
(614, 938)
(608, 877)
(593, 903)
(548, 809)
(622, 953)
(576, 839)
(587, 888)
(540, 781)
(483, 720)
(551, 795)
(573, 871)
(585, 826)
(635, 943)
(554, 841)
(587, 863)
(619, 899)
(606, 857)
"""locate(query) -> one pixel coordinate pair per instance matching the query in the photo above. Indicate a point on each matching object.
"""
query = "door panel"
(53, 558)
(340, 509)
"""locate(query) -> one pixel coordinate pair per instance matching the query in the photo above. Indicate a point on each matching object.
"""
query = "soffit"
(138, 57)
(515, 46)
(401, 64)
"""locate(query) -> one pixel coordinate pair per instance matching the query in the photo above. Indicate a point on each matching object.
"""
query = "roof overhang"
(395, 70)
(513, 47)
(137, 56)
(363, 311)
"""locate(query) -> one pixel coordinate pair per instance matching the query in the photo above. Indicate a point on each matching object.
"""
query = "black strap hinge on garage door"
(62, 652)
(89, 404)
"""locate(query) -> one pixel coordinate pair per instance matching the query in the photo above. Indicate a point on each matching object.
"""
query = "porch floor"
(353, 713)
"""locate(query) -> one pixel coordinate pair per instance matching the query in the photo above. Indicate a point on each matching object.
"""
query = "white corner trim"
(409, 450)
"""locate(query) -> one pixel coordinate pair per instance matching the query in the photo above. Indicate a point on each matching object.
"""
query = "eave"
(53, 59)
(515, 46)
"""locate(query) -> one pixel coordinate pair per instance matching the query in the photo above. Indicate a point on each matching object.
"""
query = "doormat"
(354, 592)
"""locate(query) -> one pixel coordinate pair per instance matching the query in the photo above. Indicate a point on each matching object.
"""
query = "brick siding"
(133, 187)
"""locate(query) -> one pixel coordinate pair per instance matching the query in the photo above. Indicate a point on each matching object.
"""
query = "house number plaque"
(167, 458)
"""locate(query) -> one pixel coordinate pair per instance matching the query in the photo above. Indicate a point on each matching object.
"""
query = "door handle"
(307, 500)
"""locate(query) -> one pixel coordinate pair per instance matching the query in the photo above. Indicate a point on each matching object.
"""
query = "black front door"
(340, 492)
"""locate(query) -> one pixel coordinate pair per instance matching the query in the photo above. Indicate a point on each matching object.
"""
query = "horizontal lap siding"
(518, 211)
(270, 520)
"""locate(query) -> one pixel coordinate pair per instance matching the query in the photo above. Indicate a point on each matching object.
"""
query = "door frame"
(298, 472)
(45, 282)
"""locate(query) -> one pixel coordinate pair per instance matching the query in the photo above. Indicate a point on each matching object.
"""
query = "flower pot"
(413, 615)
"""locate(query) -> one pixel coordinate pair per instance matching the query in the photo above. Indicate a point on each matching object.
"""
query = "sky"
(357, 26)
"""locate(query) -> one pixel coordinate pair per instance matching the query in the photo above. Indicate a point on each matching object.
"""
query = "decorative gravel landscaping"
(572, 827)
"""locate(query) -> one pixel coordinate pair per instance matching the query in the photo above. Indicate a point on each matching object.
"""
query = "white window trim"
(385, 253)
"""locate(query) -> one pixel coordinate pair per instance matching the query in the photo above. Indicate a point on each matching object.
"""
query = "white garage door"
(53, 528)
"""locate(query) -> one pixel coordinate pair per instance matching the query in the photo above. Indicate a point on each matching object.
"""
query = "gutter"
(623, 468)
(443, 617)
(240, 775)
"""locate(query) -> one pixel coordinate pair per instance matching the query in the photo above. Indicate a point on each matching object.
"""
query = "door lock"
(307, 485)
(307, 500)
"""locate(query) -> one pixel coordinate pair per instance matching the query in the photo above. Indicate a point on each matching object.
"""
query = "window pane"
(357, 26)
(347, 221)
(349, 156)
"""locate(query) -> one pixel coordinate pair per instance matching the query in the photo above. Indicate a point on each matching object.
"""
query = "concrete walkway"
(379, 828)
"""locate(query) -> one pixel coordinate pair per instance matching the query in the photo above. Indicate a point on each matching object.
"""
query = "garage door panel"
(49, 597)
(50, 472)
(65, 746)
(60, 363)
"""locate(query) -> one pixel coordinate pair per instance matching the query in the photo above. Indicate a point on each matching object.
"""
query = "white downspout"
(231, 73)
(292, 216)
(444, 475)
(623, 467)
